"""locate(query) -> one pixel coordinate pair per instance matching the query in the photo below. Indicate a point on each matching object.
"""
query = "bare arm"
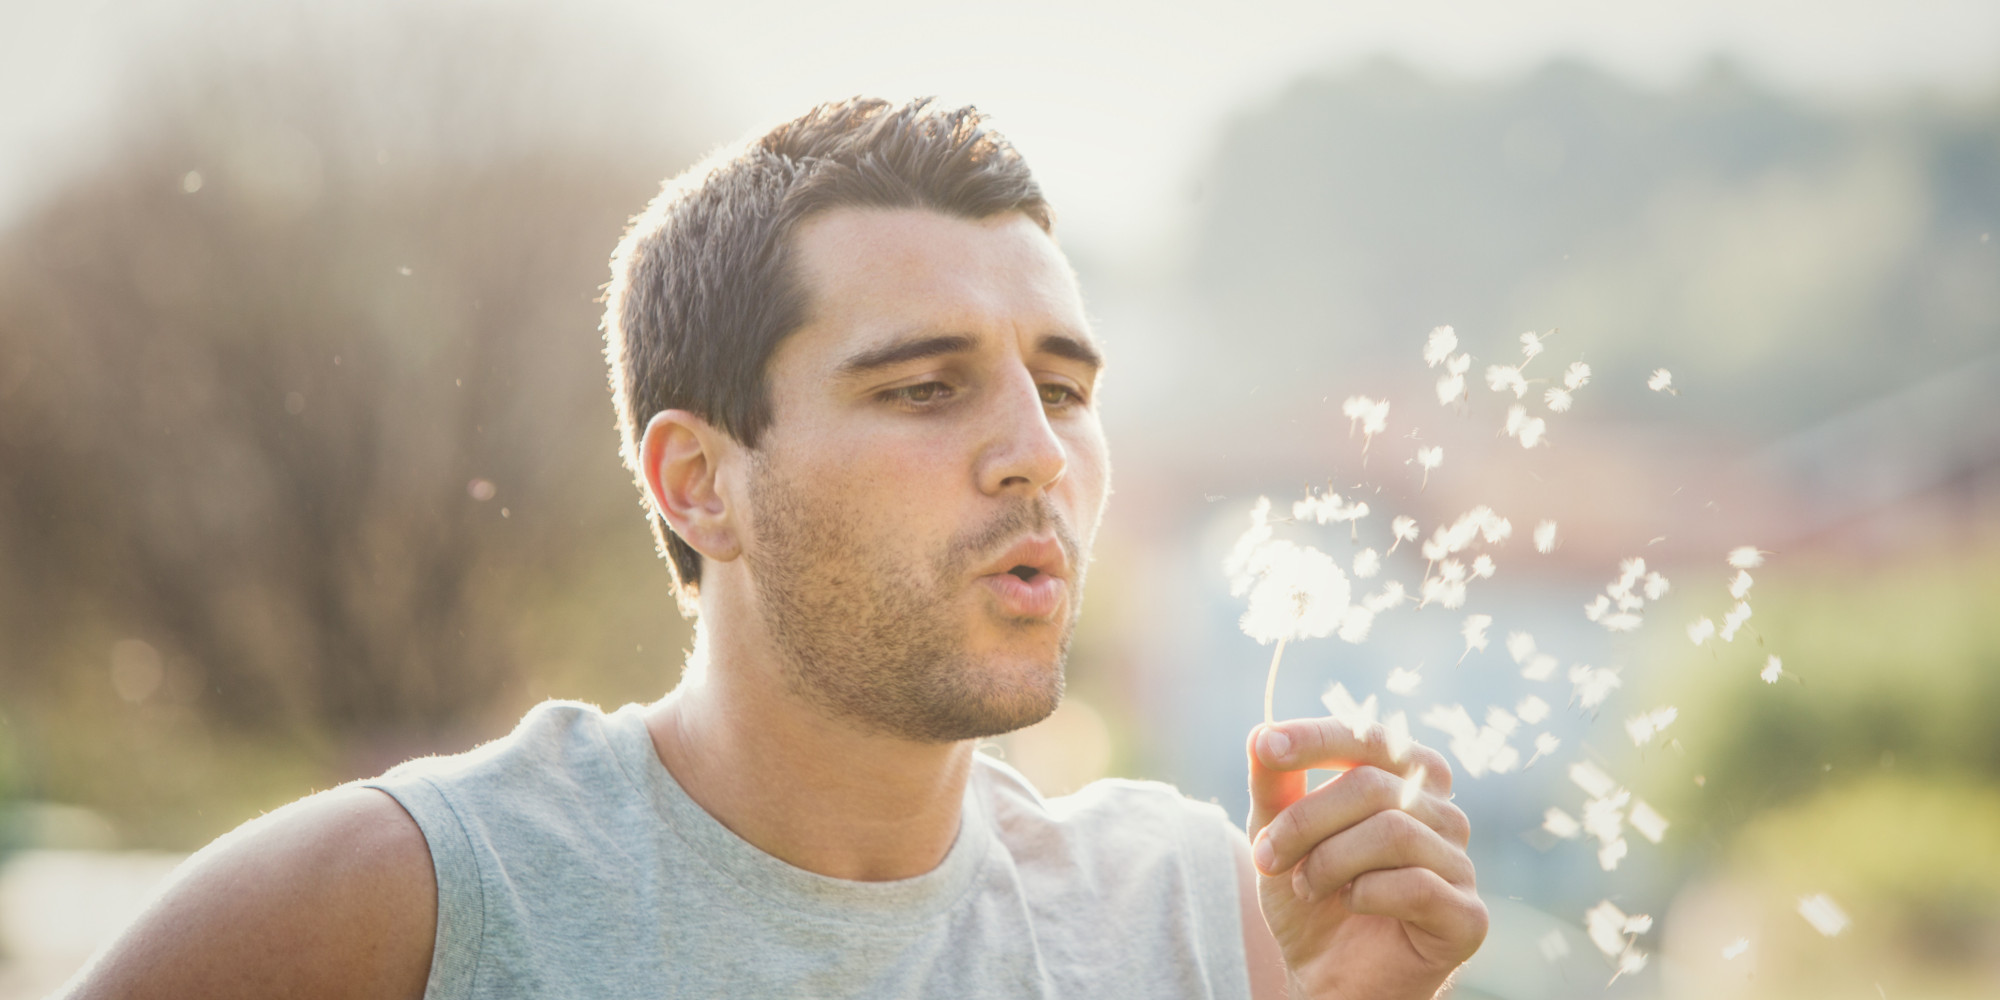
(331, 896)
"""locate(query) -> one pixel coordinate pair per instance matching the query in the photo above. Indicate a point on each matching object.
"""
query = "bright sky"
(1114, 101)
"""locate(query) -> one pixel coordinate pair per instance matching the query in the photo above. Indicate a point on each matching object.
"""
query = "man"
(856, 385)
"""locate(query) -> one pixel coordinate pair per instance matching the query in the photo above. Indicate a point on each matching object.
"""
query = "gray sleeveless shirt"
(571, 864)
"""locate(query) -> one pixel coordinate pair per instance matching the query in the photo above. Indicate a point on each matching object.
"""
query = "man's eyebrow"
(1074, 348)
(907, 350)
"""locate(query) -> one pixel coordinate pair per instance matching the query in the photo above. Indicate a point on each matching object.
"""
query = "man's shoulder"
(284, 905)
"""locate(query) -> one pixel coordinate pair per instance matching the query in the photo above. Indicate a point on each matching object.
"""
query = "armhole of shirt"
(461, 897)
(1206, 836)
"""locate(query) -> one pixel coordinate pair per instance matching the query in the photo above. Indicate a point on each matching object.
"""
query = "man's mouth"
(1029, 580)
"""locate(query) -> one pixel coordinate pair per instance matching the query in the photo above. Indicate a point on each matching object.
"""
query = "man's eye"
(919, 394)
(1055, 394)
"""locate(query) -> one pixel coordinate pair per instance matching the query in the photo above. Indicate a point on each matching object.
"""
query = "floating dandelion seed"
(1701, 630)
(1531, 345)
(1595, 609)
(1746, 557)
(1591, 685)
(1646, 725)
(1520, 646)
(1540, 667)
(1557, 400)
(1403, 682)
(1533, 432)
(1396, 735)
(1358, 717)
(1662, 381)
(1439, 346)
(1773, 667)
(1479, 748)
(1501, 378)
(1388, 597)
(1734, 620)
(1449, 388)
(1517, 415)
(1739, 587)
(1458, 364)
(1404, 528)
(1482, 567)
(1656, 586)
(1545, 744)
(1370, 416)
(1413, 786)
(1576, 376)
(1474, 631)
(1613, 932)
(1328, 508)
(1428, 458)
(1823, 914)
(1735, 949)
(1545, 537)
(1561, 824)
(1650, 824)
(1592, 779)
(1532, 710)
(1367, 563)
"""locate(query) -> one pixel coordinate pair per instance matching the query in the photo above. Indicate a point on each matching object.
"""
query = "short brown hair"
(703, 288)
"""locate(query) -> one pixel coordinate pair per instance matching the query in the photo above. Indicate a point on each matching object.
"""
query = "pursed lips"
(1031, 579)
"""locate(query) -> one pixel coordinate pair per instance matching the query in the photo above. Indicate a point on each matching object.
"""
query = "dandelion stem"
(1271, 680)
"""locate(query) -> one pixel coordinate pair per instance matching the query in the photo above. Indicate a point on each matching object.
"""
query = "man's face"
(922, 505)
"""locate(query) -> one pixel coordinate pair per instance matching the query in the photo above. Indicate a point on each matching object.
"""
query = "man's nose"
(1022, 452)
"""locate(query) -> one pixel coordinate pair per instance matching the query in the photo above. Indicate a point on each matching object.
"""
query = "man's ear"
(682, 456)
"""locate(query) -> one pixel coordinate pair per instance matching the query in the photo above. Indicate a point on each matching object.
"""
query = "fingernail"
(1275, 744)
(1266, 855)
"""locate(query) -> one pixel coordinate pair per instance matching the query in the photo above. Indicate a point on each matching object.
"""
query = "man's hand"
(1365, 885)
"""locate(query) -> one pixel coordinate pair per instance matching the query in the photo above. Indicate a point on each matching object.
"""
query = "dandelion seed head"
(1442, 341)
(1558, 400)
(1545, 537)
(1299, 593)
(1773, 667)
(1532, 710)
(1823, 914)
(1661, 380)
(1747, 559)
(1403, 682)
(1367, 563)
(1576, 376)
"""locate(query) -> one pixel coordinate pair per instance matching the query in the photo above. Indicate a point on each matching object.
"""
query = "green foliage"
(1889, 670)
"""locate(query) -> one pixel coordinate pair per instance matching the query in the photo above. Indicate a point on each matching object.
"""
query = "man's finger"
(1451, 920)
(1281, 752)
(1382, 842)
(1344, 802)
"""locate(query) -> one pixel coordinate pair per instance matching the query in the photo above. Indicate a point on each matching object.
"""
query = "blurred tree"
(303, 388)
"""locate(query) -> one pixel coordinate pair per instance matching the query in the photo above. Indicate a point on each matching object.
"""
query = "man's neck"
(804, 788)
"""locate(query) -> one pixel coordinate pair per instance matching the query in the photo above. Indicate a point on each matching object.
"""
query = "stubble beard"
(870, 642)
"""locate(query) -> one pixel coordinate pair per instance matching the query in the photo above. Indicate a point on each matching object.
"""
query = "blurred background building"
(307, 464)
